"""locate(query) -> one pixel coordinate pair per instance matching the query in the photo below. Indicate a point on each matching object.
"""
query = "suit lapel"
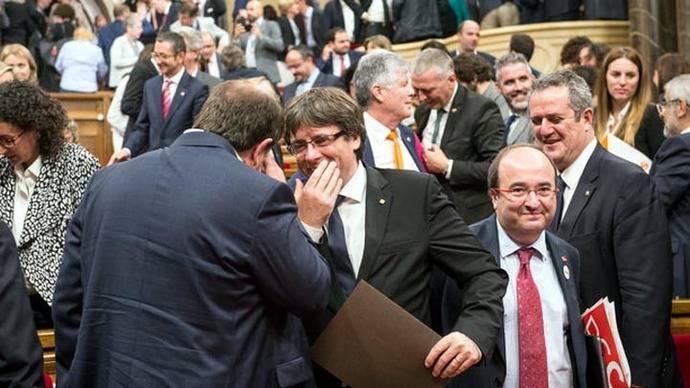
(157, 96)
(406, 135)
(454, 114)
(583, 192)
(180, 94)
(520, 127)
(561, 261)
(378, 206)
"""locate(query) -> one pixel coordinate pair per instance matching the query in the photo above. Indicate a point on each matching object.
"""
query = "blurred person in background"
(42, 179)
(125, 50)
(667, 67)
(21, 61)
(81, 63)
(377, 42)
(20, 26)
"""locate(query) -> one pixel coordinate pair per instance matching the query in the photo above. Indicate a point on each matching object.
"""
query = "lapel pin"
(454, 110)
(182, 93)
(408, 138)
(566, 272)
(587, 193)
(382, 201)
(564, 259)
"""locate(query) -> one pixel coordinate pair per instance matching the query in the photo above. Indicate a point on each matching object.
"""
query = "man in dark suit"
(336, 56)
(387, 101)
(211, 59)
(334, 16)
(184, 266)
(468, 40)
(300, 62)
(523, 187)
(170, 101)
(671, 175)
(21, 356)
(389, 227)
(610, 212)
(214, 9)
(165, 13)
(514, 80)
(134, 91)
(461, 133)
(312, 22)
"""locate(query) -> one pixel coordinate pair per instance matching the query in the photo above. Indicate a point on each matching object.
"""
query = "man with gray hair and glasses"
(609, 210)
(671, 175)
(514, 80)
(384, 91)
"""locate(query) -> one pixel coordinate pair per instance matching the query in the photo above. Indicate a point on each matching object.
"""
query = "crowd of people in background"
(583, 169)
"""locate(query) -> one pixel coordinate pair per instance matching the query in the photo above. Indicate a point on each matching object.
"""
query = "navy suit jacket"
(183, 267)
(152, 132)
(322, 79)
(671, 175)
(408, 139)
(618, 224)
(333, 17)
(492, 373)
(327, 66)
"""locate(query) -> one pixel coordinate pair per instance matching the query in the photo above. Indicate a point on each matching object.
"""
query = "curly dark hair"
(571, 49)
(29, 108)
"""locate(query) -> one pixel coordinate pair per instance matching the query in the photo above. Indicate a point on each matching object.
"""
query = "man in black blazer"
(333, 16)
(671, 175)
(610, 212)
(311, 21)
(300, 62)
(468, 40)
(389, 228)
(134, 91)
(155, 128)
(523, 192)
(336, 56)
(21, 356)
(461, 132)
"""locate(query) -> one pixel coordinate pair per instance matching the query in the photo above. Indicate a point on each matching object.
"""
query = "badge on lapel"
(182, 93)
(566, 272)
(382, 201)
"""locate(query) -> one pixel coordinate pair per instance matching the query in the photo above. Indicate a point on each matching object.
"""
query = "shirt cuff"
(450, 168)
(314, 233)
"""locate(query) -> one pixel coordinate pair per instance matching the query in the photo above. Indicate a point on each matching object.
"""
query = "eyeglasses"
(299, 146)
(9, 142)
(162, 56)
(520, 193)
(661, 105)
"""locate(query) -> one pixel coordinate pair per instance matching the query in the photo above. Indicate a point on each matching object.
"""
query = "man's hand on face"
(316, 198)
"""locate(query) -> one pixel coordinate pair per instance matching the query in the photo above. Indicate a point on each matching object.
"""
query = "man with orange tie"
(383, 90)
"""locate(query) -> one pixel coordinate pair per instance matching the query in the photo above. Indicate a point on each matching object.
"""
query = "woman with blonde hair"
(624, 94)
(81, 63)
(21, 61)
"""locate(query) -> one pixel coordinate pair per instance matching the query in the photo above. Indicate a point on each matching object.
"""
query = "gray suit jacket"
(268, 47)
(522, 131)
(207, 79)
(494, 95)
(206, 24)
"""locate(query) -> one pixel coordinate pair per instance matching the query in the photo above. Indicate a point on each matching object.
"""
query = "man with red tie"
(542, 343)
(170, 102)
(336, 56)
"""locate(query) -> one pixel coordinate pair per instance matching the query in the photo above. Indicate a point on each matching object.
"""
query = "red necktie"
(533, 369)
(166, 98)
(342, 65)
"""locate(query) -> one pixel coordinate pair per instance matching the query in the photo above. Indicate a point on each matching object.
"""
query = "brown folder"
(373, 342)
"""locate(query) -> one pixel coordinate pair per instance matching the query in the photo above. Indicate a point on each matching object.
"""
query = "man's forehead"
(308, 130)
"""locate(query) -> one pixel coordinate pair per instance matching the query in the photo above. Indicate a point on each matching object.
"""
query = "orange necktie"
(397, 152)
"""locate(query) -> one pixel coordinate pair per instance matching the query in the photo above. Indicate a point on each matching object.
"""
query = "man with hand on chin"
(389, 228)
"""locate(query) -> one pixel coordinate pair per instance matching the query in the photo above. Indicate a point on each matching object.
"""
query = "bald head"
(468, 36)
(254, 10)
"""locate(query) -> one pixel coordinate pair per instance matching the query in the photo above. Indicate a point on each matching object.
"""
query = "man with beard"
(514, 80)
(336, 56)
(260, 39)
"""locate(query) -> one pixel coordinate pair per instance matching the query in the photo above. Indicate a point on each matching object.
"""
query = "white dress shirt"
(611, 121)
(348, 20)
(336, 59)
(213, 66)
(175, 82)
(571, 175)
(353, 215)
(382, 147)
(553, 307)
(250, 50)
(295, 31)
(428, 133)
(311, 41)
(376, 12)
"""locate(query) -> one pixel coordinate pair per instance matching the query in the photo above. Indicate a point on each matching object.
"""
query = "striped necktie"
(166, 98)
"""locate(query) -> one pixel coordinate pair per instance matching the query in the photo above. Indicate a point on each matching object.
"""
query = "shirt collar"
(571, 175)
(507, 246)
(375, 129)
(312, 77)
(177, 77)
(310, 10)
(621, 114)
(446, 108)
(686, 130)
(32, 171)
(355, 188)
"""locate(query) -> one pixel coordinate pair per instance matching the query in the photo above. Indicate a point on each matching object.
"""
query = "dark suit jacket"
(410, 227)
(151, 131)
(167, 281)
(21, 25)
(215, 9)
(409, 140)
(671, 176)
(318, 30)
(107, 35)
(21, 356)
(472, 138)
(289, 38)
(327, 66)
(333, 17)
(170, 18)
(134, 92)
(493, 372)
(617, 222)
(322, 80)
(650, 135)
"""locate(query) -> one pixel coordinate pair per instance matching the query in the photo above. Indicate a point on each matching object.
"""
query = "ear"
(377, 93)
(259, 151)
(682, 108)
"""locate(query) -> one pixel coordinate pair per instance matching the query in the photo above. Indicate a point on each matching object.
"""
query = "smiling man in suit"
(514, 80)
(300, 62)
(260, 40)
(170, 102)
(461, 132)
(609, 210)
(389, 228)
(542, 343)
(383, 89)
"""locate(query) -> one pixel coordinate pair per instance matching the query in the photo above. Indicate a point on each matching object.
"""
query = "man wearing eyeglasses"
(543, 342)
(388, 227)
(671, 175)
(610, 212)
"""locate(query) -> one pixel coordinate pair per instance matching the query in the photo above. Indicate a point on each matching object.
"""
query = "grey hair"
(378, 67)
(433, 59)
(509, 59)
(579, 96)
(679, 88)
(192, 38)
(132, 21)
